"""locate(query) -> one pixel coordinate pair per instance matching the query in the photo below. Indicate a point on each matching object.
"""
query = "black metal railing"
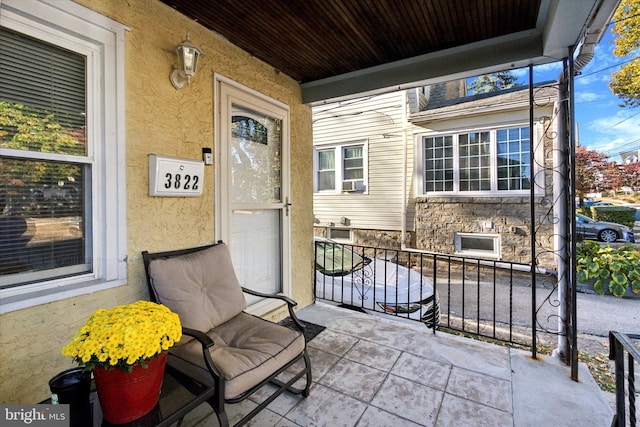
(619, 345)
(475, 296)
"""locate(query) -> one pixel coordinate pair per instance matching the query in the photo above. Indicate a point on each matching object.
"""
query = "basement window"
(340, 235)
(475, 244)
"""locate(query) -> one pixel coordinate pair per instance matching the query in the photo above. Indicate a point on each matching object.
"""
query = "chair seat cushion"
(247, 350)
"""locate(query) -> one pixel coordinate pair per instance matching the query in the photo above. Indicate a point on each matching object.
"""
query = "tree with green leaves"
(492, 83)
(30, 129)
(625, 83)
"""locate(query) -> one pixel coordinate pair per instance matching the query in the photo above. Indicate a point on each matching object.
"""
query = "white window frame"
(339, 167)
(420, 163)
(74, 27)
(497, 245)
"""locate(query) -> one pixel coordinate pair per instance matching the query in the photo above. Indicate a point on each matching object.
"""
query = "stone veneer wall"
(166, 121)
(388, 239)
(439, 218)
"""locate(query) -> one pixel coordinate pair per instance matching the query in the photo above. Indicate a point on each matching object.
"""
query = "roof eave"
(561, 26)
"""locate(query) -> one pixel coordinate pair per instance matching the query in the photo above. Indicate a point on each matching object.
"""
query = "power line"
(623, 19)
(618, 148)
(606, 68)
(621, 121)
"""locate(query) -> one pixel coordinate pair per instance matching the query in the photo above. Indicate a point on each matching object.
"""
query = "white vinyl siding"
(381, 121)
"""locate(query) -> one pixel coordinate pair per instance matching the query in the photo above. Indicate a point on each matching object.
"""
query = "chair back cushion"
(201, 287)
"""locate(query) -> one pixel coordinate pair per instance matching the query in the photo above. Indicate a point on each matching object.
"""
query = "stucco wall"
(161, 120)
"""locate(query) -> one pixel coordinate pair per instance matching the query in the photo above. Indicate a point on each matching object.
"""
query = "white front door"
(252, 201)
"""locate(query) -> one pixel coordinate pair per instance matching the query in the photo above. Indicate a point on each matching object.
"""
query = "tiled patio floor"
(369, 371)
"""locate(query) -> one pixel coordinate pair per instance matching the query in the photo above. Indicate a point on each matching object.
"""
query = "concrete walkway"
(373, 371)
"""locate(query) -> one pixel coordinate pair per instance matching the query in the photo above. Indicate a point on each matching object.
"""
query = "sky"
(603, 125)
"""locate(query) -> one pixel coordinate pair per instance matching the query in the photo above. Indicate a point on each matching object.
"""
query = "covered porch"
(376, 371)
(368, 370)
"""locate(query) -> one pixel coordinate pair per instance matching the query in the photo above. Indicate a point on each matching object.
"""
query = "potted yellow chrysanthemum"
(122, 345)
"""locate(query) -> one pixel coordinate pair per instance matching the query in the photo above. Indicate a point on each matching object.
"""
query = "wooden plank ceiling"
(311, 40)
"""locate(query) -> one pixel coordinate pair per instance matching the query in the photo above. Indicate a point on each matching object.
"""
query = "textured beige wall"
(161, 120)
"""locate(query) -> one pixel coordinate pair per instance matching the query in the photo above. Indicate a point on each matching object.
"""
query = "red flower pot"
(127, 396)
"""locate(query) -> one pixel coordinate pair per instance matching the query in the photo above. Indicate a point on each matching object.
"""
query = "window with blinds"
(45, 169)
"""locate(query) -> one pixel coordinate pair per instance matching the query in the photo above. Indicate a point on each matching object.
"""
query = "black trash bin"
(72, 387)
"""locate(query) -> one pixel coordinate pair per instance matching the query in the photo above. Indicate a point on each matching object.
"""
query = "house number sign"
(172, 177)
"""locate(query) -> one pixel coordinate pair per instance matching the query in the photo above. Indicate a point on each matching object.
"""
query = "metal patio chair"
(224, 347)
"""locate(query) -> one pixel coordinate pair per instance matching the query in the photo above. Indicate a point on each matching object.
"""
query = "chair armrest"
(290, 304)
(206, 343)
(284, 298)
(204, 339)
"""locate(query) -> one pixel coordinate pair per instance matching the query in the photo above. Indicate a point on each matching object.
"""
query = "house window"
(326, 170)
(341, 168)
(474, 244)
(475, 161)
(513, 158)
(61, 230)
(438, 163)
(45, 191)
(495, 161)
(353, 169)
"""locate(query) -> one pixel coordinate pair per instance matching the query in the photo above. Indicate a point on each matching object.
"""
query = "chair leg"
(221, 414)
(217, 402)
(222, 418)
(307, 362)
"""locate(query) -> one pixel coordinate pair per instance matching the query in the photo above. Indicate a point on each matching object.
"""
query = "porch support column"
(564, 215)
(571, 218)
(560, 184)
(532, 220)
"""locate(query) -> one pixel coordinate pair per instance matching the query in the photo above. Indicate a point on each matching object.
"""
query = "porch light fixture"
(188, 55)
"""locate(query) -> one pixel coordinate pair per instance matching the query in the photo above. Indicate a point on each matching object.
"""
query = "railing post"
(632, 391)
(618, 344)
(617, 355)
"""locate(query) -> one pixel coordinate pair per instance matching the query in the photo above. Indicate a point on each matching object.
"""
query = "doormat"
(310, 329)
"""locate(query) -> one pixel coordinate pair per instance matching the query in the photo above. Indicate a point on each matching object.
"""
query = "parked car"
(604, 231)
(602, 204)
(344, 276)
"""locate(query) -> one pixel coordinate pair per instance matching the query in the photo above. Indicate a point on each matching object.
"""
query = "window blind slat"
(44, 76)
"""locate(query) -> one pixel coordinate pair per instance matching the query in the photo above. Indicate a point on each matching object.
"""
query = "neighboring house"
(361, 148)
(463, 162)
(630, 156)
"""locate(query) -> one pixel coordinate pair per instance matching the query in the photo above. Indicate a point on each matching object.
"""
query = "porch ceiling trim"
(512, 51)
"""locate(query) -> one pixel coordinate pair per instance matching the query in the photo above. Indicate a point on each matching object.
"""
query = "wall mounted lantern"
(188, 55)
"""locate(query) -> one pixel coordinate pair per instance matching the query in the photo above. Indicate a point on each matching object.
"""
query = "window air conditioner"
(351, 186)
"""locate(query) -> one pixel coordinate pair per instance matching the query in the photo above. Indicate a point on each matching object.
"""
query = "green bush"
(617, 214)
(617, 267)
